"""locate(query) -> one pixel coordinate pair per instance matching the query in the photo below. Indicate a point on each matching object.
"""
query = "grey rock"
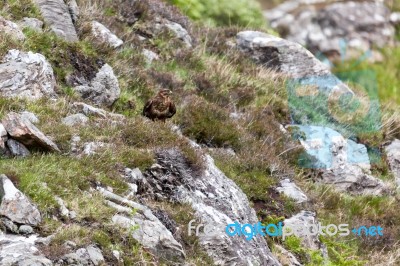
(103, 89)
(70, 244)
(327, 29)
(76, 119)
(57, 16)
(290, 189)
(15, 205)
(151, 233)
(21, 251)
(92, 148)
(73, 10)
(17, 149)
(89, 110)
(11, 29)
(104, 35)
(28, 134)
(25, 230)
(291, 59)
(285, 257)
(393, 158)
(31, 117)
(9, 225)
(305, 219)
(395, 18)
(26, 75)
(3, 132)
(180, 32)
(72, 215)
(80, 257)
(95, 255)
(32, 23)
(216, 201)
(133, 175)
(343, 163)
(63, 209)
(150, 56)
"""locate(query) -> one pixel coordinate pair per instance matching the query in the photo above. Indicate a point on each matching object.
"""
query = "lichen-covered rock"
(216, 201)
(393, 157)
(11, 29)
(180, 32)
(104, 35)
(26, 75)
(28, 134)
(103, 89)
(89, 256)
(15, 205)
(57, 16)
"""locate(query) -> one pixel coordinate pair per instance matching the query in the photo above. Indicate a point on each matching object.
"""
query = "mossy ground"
(224, 102)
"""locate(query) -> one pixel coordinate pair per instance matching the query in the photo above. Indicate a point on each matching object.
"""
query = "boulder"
(21, 251)
(26, 75)
(289, 189)
(104, 35)
(180, 32)
(216, 200)
(393, 158)
(150, 232)
(32, 23)
(103, 89)
(15, 205)
(57, 16)
(11, 29)
(289, 58)
(28, 134)
(342, 162)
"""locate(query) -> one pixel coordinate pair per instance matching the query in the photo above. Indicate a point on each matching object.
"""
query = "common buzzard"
(160, 107)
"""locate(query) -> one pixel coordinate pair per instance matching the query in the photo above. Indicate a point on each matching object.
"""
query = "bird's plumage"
(160, 107)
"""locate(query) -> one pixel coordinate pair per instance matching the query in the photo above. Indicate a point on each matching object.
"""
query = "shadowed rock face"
(216, 200)
(56, 15)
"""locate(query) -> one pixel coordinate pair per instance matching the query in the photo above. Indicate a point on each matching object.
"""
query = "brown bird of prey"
(160, 107)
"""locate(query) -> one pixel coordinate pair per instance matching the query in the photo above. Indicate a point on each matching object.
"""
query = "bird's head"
(165, 93)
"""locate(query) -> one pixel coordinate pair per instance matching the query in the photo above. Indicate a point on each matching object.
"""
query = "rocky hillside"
(264, 132)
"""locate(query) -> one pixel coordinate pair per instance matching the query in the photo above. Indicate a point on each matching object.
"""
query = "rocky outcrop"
(11, 29)
(151, 233)
(56, 15)
(216, 200)
(289, 58)
(347, 29)
(342, 162)
(291, 190)
(103, 89)
(15, 205)
(103, 35)
(28, 134)
(26, 75)
(393, 158)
